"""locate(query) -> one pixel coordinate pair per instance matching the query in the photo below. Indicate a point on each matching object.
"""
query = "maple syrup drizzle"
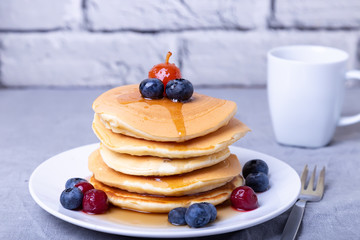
(140, 219)
(174, 108)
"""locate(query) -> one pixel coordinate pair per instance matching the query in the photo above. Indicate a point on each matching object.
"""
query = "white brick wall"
(67, 59)
(114, 42)
(240, 58)
(157, 15)
(27, 15)
(318, 14)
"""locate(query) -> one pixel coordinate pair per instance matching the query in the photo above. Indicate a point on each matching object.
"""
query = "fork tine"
(304, 176)
(321, 182)
(312, 179)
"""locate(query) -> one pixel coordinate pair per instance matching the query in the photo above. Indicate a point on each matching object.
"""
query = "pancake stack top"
(156, 155)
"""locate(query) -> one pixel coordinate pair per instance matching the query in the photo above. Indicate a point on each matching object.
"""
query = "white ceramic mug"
(306, 86)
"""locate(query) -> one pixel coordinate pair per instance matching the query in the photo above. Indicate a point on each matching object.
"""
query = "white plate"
(48, 180)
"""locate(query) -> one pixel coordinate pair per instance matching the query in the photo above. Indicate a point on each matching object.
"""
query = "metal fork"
(308, 193)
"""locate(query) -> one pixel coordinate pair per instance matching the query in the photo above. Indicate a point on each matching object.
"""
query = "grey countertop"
(36, 124)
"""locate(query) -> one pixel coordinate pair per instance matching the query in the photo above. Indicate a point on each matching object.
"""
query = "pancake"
(189, 183)
(125, 111)
(205, 145)
(161, 204)
(156, 166)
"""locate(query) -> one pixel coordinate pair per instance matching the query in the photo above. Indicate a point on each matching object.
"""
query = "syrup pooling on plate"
(156, 220)
(174, 108)
(287, 182)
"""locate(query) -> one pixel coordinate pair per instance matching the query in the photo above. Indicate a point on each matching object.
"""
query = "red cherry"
(95, 201)
(84, 186)
(165, 71)
(244, 198)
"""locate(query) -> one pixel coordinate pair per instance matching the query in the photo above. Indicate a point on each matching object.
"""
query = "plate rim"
(198, 232)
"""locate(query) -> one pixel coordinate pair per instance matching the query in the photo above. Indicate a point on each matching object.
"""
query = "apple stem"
(167, 57)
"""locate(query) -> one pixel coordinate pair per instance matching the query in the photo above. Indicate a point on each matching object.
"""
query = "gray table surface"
(36, 124)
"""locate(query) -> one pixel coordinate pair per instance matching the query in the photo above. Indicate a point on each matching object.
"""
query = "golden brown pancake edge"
(161, 204)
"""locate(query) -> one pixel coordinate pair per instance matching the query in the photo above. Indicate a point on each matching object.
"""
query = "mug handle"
(344, 121)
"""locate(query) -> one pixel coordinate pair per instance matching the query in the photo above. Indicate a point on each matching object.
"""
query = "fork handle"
(294, 221)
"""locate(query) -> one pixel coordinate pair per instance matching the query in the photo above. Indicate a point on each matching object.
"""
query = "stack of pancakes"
(156, 155)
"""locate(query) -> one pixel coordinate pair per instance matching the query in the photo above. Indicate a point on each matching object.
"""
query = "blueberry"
(212, 210)
(177, 216)
(197, 215)
(255, 166)
(73, 181)
(179, 90)
(259, 182)
(71, 198)
(152, 88)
